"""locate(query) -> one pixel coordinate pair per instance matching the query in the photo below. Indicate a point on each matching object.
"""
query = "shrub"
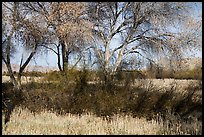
(80, 97)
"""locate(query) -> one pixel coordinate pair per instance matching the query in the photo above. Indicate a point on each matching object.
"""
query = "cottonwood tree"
(19, 28)
(71, 27)
(144, 28)
(68, 28)
(188, 39)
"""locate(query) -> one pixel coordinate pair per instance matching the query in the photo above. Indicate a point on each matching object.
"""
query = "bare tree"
(19, 28)
(144, 28)
(67, 26)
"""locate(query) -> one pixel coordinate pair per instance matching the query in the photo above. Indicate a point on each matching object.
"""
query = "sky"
(50, 59)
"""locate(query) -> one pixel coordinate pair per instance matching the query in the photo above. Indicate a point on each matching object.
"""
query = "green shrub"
(80, 97)
(195, 73)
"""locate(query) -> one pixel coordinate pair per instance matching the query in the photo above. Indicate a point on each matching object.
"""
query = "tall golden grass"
(24, 122)
(140, 100)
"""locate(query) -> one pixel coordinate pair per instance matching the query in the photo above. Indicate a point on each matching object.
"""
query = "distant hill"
(29, 68)
(185, 64)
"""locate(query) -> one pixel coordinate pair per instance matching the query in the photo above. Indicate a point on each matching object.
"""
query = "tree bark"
(64, 57)
(22, 68)
(11, 74)
(58, 58)
(8, 65)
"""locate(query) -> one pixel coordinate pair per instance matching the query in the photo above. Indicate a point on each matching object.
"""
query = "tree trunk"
(22, 68)
(58, 58)
(64, 57)
(8, 65)
(12, 78)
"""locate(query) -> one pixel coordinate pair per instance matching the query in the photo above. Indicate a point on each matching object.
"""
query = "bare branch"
(28, 59)
(76, 62)
(43, 45)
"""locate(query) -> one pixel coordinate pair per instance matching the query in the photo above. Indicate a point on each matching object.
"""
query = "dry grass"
(47, 123)
(23, 122)
(24, 79)
(181, 85)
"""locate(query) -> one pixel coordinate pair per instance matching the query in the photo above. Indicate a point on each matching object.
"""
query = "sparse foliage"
(120, 38)
(20, 28)
(66, 25)
(143, 28)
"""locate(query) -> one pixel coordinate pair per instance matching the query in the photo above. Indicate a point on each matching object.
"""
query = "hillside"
(29, 68)
(185, 64)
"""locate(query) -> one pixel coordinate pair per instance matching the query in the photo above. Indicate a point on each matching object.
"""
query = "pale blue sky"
(50, 59)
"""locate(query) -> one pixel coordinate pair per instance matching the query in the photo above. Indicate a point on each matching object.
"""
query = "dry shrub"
(143, 101)
(24, 122)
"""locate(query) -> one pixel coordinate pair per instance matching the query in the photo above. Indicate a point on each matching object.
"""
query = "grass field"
(159, 83)
(23, 122)
(35, 116)
(23, 78)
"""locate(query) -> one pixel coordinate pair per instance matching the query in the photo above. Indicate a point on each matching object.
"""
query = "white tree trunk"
(107, 56)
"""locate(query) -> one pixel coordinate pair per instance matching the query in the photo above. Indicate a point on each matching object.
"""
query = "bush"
(83, 97)
(195, 73)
